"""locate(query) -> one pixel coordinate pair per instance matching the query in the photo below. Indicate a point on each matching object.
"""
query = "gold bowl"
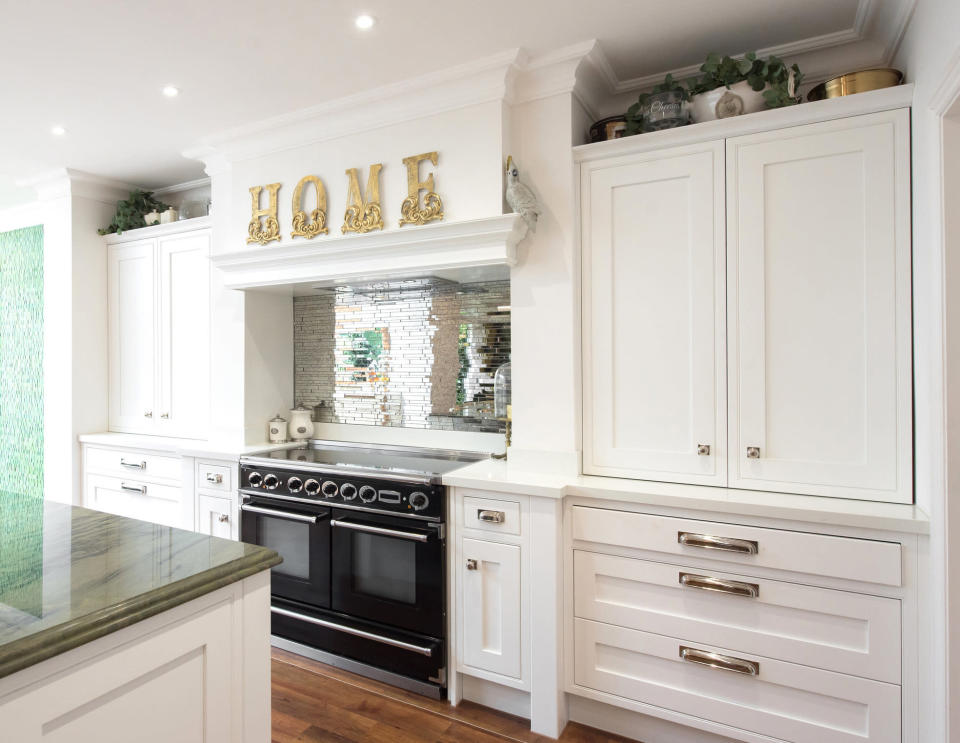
(856, 82)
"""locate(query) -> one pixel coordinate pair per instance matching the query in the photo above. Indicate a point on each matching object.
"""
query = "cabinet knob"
(471, 564)
(148, 414)
(753, 452)
(703, 450)
(217, 479)
(164, 415)
(223, 518)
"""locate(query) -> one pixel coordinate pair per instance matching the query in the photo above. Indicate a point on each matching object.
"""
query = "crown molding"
(60, 182)
(181, 187)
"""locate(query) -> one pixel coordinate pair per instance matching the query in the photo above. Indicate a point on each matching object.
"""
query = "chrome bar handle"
(733, 587)
(130, 489)
(491, 517)
(428, 652)
(726, 544)
(133, 465)
(380, 530)
(216, 479)
(721, 662)
(280, 514)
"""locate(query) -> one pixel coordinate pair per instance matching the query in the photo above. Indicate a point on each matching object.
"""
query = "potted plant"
(730, 87)
(661, 108)
(131, 213)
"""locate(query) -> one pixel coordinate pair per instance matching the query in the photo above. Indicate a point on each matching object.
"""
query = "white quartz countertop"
(180, 447)
(499, 476)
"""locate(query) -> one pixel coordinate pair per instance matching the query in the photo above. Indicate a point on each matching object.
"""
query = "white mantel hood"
(470, 249)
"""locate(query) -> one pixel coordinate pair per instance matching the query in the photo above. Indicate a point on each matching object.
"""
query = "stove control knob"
(294, 484)
(419, 501)
(312, 487)
(255, 479)
(368, 494)
(329, 489)
(348, 491)
(271, 481)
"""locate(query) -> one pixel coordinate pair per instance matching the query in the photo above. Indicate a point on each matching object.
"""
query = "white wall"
(926, 54)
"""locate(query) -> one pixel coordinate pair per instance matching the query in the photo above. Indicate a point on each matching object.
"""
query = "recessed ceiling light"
(57, 131)
(171, 91)
(364, 21)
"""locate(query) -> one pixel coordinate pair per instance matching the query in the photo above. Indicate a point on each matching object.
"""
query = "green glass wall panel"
(21, 362)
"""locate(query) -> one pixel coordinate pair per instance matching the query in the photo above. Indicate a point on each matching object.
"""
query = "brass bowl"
(856, 82)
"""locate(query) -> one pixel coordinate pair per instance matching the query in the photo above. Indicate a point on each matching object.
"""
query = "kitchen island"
(113, 629)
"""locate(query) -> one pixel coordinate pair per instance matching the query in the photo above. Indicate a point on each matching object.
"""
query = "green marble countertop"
(69, 575)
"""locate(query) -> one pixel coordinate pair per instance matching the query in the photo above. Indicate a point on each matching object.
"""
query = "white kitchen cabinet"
(491, 629)
(159, 322)
(654, 315)
(747, 309)
(134, 498)
(215, 516)
(818, 221)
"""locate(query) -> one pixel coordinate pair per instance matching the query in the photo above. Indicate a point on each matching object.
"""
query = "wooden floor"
(316, 702)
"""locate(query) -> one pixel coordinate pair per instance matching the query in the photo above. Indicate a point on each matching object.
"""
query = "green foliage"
(130, 213)
(635, 112)
(758, 72)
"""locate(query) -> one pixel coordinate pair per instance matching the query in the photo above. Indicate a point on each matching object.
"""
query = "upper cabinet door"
(819, 309)
(131, 285)
(184, 402)
(653, 315)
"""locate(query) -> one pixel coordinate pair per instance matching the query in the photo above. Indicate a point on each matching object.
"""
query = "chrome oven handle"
(708, 583)
(727, 544)
(380, 530)
(721, 662)
(280, 514)
(428, 652)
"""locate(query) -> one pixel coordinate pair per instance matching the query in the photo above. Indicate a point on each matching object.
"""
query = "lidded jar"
(301, 427)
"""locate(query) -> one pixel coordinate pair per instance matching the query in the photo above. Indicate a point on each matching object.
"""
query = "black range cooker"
(362, 535)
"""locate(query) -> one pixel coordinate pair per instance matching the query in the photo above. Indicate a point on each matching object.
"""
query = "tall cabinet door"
(131, 281)
(184, 334)
(819, 309)
(653, 315)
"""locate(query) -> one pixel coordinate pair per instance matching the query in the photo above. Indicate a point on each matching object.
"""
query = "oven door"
(388, 570)
(300, 533)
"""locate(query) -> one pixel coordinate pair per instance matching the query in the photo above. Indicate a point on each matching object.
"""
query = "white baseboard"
(636, 725)
(495, 696)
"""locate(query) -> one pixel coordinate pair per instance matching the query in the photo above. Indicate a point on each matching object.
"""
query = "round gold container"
(856, 82)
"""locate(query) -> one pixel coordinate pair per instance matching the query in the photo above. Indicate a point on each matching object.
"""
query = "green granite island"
(113, 629)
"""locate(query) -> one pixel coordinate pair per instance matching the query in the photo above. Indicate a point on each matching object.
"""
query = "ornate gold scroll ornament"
(363, 214)
(269, 229)
(410, 210)
(318, 217)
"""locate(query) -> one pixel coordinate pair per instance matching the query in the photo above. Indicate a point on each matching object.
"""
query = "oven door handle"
(353, 631)
(370, 529)
(290, 516)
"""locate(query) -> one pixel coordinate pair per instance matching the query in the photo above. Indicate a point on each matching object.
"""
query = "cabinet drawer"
(215, 516)
(835, 630)
(133, 463)
(816, 554)
(137, 499)
(490, 514)
(785, 701)
(217, 477)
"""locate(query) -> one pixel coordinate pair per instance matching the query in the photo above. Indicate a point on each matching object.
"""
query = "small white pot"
(151, 218)
(170, 215)
(723, 102)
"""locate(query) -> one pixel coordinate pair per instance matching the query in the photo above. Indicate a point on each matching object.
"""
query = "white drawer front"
(214, 476)
(215, 516)
(816, 554)
(784, 700)
(492, 515)
(137, 499)
(835, 630)
(133, 463)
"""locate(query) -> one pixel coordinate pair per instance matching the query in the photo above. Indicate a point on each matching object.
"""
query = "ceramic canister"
(277, 429)
(301, 427)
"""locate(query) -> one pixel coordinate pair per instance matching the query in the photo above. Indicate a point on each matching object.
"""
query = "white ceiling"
(97, 68)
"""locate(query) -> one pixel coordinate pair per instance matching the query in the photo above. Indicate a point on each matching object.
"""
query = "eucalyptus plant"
(758, 72)
(130, 212)
(635, 112)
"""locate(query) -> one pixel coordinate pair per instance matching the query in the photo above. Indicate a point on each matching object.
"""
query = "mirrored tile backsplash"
(419, 353)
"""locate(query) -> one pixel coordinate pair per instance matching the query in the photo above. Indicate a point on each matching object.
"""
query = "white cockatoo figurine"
(520, 197)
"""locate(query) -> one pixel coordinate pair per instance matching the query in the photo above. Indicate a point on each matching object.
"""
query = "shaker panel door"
(132, 326)
(184, 408)
(819, 309)
(653, 309)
